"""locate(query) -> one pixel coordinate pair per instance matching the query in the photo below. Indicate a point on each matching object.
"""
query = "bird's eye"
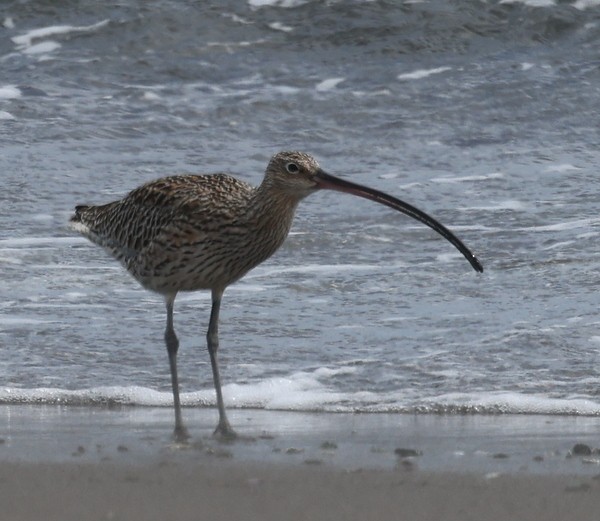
(292, 168)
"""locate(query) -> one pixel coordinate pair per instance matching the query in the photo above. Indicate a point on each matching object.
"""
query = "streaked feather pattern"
(190, 232)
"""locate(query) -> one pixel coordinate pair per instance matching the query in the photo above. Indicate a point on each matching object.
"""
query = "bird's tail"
(79, 210)
(96, 224)
(78, 222)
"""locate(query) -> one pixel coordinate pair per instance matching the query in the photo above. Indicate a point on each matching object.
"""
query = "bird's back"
(176, 233)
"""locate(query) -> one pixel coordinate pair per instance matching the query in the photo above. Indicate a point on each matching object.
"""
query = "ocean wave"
(304, 392)
(25, 41)
(410, 27)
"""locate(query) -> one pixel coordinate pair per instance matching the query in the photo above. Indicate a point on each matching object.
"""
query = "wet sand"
(229, 491)
(96, 463)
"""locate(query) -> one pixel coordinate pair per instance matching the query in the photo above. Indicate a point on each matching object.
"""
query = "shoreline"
(73, 463)
(435, 443)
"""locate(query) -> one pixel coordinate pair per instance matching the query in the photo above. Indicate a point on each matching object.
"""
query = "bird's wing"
(183, 207)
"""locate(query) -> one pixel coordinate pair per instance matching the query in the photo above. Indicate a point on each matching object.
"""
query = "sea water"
(483, 114)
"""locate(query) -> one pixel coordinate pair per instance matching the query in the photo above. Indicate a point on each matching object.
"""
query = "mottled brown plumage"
(194, 232)
(186, 233)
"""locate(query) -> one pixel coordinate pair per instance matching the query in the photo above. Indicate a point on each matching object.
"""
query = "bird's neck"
(272, 211)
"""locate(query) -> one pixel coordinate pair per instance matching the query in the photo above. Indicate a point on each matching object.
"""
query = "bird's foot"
(181, 434)
(224, 432)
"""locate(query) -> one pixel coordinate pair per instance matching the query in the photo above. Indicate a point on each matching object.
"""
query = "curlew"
(204, 232)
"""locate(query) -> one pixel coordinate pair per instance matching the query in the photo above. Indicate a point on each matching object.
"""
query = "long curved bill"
(329, 182)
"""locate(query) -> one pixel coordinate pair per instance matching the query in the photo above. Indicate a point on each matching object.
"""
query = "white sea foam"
(309, 391)
(300, 391)
(312, 268)
(150, 96)
(26, 40)
(9, 92)
(37, 242)
(558, 245)
(284, 89)
(371, 93)
(243, 287)
(99, 395)
(6, 115)
(509, 204)
(236, 18)
(329, 84)
(422, 73)
(42, 47)
(410, 186)
(448, 257)
(567, 225)
(19, 321)
(276, 3)
(566, 167)
(585, 4)
(42, 217)
(517, 403)
(468, 178)
(532, 3)
(10, 260)
(278, 26)
(230, 46)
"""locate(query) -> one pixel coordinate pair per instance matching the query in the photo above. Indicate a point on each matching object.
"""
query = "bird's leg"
(172, 342)
(223, 428)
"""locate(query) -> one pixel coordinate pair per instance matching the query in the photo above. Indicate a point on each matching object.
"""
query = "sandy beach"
(228, 491)
(69, 463)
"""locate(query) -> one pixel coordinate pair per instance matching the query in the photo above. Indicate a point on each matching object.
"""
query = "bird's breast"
(191, 256)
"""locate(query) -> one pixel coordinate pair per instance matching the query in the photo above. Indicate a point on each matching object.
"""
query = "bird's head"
(293, 173)
(297, 175)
